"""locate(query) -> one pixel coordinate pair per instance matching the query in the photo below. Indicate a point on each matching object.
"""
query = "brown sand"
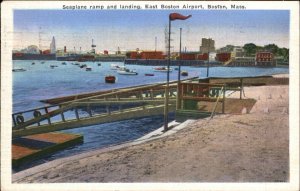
(251, 147)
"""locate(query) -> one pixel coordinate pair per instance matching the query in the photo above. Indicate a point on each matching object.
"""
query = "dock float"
(29, 148)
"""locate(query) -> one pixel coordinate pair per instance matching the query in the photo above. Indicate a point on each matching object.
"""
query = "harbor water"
(40, 81)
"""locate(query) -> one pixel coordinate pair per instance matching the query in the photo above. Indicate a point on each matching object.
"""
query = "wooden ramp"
(118, 105)
(135, 112)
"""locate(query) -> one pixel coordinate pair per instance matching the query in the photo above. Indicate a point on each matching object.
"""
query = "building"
(188, 55)
(53, 46)
(264, 59)
(152, 55)
(146, 55)
(207, 45)
(238, 51)
(46, 51)
(202, 56)
(223, 57)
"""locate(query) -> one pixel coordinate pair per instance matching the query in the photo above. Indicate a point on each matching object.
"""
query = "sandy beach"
(252, 146)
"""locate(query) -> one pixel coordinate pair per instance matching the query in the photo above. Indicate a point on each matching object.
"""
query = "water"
(39, 82)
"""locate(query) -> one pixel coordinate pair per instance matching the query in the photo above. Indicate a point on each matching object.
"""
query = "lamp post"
(166, 108)
(172, 17)
(178, 105)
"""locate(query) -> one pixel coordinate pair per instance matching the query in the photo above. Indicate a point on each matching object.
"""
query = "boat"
(18, 70)
(127, 72)
(110, 79)
(162, 69)
(99, 64)
(149, 74)
(116, 67)
(88, 69)
(83, 66)
(184, 73)
(176, 68)
(53, 66)
(64, 63)
(32, 63)
(43, 62)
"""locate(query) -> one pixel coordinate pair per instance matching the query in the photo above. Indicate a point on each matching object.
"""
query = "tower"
(93, 51)
(167, 40)
(52, 46)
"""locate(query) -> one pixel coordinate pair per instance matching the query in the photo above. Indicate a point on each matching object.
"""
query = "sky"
(131, 29)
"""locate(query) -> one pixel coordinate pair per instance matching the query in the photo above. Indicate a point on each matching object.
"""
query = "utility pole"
(178, 105)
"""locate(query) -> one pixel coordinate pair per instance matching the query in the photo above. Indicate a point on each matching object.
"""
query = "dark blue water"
(39, 82)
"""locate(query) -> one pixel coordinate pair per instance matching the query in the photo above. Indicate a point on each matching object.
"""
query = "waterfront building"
(207, 45)
(264, 58)
(46, 51)
(238, 51)
(145, 55)
(52, 46)
(223, 57)
(189, 55)
(202, 56)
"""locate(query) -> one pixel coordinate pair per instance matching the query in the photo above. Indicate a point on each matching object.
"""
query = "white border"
(6, 103)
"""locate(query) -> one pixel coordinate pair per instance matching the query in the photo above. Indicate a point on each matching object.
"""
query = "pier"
(200, 98)
(101, 107)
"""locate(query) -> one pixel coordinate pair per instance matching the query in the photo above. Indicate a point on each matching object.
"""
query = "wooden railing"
(201, 92)
(151, 95)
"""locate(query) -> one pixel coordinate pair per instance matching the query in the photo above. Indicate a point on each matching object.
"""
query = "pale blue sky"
(138, 29)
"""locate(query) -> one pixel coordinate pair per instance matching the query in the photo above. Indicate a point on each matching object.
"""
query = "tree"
(284, 52)
(250, 49)
(272, 48)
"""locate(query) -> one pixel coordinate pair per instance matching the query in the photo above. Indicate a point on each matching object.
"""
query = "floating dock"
(28, 148)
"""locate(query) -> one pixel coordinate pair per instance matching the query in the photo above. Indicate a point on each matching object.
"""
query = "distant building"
(223, 57)
(207, 45)
(264, 59)
(52, 46)
(46, 51)
(189, 55)
(226, 49)
(145, 55)
(202, 56)
(238, 51)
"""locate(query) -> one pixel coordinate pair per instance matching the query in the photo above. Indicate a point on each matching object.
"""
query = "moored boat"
(162, 69)
(53, 66)
(99, 64)
(18, 70)
(117, 67)
(88, 69)
(149, 74)
(83, 66)
(184, 73)
(32, 63)
(127, 72)
(110, 79)
(64, 63)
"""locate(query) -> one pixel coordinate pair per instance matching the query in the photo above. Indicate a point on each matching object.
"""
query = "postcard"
(149, 95)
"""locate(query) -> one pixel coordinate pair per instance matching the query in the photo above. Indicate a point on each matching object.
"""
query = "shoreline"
(227, 148)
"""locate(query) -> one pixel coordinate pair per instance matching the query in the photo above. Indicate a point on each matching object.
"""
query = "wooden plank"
(96, 119)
